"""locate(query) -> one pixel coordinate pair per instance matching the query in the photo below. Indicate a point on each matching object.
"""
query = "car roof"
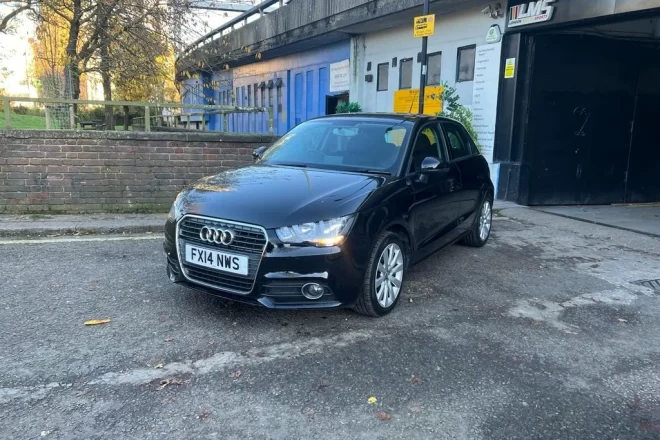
(391, 116)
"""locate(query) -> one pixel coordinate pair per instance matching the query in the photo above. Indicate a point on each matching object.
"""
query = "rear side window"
(459, 142)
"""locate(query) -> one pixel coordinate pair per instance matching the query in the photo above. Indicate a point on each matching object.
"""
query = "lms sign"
(530, 13)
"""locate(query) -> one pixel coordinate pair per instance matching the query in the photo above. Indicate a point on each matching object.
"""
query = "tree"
(49, 54)
(124, 41)
(11, 10)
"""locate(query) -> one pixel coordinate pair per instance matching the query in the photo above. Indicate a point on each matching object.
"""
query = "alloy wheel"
(389, 275)
(485, 221)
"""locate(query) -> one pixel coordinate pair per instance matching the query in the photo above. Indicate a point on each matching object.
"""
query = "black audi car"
(333, 213)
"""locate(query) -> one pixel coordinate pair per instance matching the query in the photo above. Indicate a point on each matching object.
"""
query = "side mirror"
(256, 154)
(431, 164)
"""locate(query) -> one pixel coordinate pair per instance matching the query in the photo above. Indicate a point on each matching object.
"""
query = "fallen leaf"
(383, 416)
(97, 321)
(235, 374)
(621, 320)
(415, 380)
(170, 381)
(169, 339)
(159, 365)
(204, 415)
(372, 400)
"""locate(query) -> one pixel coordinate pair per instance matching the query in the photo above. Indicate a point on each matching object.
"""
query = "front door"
(433, 214)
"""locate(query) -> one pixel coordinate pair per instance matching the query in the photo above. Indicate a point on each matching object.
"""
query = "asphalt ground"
(539, 335)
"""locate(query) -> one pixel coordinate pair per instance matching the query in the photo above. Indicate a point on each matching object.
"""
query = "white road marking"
(216, 363)
(80, 239)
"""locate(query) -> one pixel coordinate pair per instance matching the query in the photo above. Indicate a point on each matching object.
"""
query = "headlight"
(325, 233)
(175, 211)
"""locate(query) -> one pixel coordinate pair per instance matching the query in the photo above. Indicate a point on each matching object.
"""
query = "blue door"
(298, 98)
(309, 93)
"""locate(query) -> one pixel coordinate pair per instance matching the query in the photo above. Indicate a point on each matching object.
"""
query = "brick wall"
(87, 172)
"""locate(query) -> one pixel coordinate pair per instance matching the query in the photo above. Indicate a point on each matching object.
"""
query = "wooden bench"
(92, 125)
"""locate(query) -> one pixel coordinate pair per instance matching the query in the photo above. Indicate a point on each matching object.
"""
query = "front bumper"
(282, 273)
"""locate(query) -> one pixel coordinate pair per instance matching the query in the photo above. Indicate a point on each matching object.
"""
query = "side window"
(383, 77)
(434, 67)
(459, 141)
(405, 73)
(465, 64)
(427, 144)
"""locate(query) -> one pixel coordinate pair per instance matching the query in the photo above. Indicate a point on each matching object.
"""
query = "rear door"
(473, 171)
(433, 213)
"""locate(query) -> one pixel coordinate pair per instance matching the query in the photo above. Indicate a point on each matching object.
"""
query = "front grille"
(249, 241)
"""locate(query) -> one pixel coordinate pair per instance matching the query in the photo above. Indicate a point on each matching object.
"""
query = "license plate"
(213, 259)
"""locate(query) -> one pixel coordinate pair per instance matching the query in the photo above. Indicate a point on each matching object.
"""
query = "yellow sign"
(510, 68)
(424, 26)
(407, 100)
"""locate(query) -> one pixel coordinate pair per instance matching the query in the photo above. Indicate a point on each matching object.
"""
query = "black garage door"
(592, 133)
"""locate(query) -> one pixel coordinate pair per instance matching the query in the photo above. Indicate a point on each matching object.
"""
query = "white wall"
(451, 32)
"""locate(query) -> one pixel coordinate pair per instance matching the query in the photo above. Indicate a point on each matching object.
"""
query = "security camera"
(487, 10)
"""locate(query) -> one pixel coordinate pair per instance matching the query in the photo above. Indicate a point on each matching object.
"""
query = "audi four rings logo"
(216, 235)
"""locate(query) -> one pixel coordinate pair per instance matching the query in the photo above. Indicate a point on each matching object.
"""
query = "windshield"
(352, 144)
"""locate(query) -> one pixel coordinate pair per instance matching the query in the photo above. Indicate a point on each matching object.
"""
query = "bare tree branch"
(6, 20)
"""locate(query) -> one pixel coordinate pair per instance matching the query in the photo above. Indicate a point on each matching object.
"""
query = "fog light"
(313, 291)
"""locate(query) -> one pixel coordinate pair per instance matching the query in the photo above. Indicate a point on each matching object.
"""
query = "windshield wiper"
(368, 171)
(293, 164)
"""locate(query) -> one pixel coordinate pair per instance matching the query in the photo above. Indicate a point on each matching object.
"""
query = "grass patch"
(32, 122)
(24, 122)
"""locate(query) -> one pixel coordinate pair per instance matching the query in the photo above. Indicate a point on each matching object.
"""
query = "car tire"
(480, 232)
(379, 300)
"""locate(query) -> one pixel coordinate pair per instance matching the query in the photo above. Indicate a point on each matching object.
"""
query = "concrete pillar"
(7, 109)
(147, 118)
(358, 71)
(72, 117)
(49, 124)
